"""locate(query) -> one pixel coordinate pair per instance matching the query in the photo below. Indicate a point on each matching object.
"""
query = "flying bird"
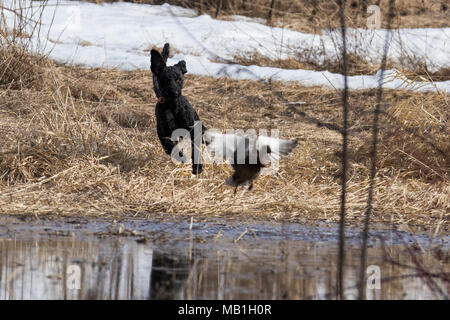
(247, 155)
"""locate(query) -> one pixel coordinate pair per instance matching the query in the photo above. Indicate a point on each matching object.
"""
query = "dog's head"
(170, 79)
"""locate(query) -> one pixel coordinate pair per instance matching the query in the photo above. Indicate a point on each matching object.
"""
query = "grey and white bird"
(247, 155)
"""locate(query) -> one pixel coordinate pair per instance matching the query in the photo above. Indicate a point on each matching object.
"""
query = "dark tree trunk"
(269, 17)
(218, 7)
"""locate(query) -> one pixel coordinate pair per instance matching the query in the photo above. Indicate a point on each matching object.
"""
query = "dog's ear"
(165, 52)
(182, 66)
(157, 62)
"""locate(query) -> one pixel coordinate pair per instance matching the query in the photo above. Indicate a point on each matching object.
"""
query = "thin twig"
(341, 256)
(373, 156)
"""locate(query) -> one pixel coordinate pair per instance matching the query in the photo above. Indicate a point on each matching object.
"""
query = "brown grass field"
(81, 142)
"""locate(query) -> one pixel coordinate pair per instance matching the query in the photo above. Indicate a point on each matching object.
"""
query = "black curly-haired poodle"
(173, 110)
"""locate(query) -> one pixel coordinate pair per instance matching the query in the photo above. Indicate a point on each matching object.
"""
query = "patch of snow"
(237, 17)
(118, 35)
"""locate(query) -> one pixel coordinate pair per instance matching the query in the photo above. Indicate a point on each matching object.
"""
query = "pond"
(180, 258)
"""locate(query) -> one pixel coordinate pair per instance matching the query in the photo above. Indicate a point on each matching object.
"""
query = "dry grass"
(19, 69)
(83, 142)
(410, 67)
(305, 61)
(413, 68)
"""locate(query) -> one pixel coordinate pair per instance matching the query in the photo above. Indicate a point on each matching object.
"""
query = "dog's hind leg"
(197, 166)
(196, 146)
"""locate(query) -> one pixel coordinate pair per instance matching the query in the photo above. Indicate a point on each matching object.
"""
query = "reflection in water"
(123, 268)
(72, 269)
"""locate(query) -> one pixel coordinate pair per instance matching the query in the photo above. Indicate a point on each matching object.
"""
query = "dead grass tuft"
(412, 67)
(19, 69)
(304, 60)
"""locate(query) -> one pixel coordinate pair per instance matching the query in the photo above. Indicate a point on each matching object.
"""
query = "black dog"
(173, 111)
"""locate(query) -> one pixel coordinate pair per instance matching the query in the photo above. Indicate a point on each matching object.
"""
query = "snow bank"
(120, 35)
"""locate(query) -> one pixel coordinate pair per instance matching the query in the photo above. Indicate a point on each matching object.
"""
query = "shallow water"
(214, 259)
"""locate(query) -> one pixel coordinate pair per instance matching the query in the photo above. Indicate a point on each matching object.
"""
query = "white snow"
(119, 35)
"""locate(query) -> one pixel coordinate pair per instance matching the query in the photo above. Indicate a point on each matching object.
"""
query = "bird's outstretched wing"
(223, 145)
(272, 149)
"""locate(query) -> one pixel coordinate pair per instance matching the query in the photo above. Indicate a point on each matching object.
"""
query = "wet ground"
(180, 258)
